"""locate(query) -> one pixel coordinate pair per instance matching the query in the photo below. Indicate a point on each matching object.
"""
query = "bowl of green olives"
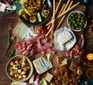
(76, 20)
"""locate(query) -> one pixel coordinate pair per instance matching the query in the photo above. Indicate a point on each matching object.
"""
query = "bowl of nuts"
(19, 68)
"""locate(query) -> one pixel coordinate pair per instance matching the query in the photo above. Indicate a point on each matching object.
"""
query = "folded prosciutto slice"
(77, 50)
(34, 45)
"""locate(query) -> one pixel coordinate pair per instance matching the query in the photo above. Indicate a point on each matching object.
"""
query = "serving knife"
(11, 38)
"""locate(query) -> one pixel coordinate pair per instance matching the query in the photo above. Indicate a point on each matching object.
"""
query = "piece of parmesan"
(48, 76)
(64, 62)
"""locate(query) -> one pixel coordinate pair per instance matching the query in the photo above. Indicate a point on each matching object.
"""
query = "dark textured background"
(4, 21)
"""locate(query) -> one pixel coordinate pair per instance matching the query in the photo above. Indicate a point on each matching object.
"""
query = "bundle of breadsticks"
(60, 15)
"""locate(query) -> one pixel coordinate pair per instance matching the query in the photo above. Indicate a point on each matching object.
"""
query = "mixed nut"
(19, 68)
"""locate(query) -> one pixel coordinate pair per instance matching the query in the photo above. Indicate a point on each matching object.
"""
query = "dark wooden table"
(4, 21)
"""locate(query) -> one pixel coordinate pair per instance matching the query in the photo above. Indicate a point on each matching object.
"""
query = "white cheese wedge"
(42, 65)
(28, 34)
(48, 76)
(64, 37)
(22, 31)
(2, 7)
(69, 44)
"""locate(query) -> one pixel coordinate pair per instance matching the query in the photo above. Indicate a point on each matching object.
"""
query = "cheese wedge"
(48, 76)
(22, 31)
(64, 37)
(42, 65)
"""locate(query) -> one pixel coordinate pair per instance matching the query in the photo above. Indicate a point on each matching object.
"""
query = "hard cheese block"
(42, 65)
(48, 77)
(22, 31)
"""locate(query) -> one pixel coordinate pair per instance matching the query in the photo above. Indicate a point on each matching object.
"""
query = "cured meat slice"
(34, 45)
(76, 51)
(50, 51)
(44, 41)
(48, 45)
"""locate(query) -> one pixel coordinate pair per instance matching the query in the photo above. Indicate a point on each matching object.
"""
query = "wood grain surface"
(4, 21)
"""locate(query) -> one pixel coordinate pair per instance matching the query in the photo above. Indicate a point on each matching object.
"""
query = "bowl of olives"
(19, 68)
(76, 20)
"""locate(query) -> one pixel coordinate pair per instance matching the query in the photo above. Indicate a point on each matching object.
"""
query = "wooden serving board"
(80, 7)
(58, 53)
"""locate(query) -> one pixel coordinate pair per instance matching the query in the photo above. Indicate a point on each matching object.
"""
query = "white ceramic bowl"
(30, 64)
(76, 11)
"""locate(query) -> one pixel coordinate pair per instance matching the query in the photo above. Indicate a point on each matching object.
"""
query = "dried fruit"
(90, 56)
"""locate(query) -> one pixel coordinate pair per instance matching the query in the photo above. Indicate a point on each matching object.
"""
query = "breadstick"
(61, 9)
(66, 5)
(48, 27)
(68, 10)
(54, 8)
(58, 14)
(63, 16)
(58, 5)
(53, 21)
(48, 32)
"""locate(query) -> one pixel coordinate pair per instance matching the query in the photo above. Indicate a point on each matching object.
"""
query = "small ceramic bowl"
(76, 21)
(13, 59)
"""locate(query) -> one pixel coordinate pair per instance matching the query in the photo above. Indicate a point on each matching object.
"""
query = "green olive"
(75, 25)
(73, 21)
(82, 20)
(72, 15)
(69, 17)
(77, 19)
(79, 16)
(80, 27)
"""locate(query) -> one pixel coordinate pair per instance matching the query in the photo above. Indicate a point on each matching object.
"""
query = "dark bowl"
(5, 13)
(19, 7)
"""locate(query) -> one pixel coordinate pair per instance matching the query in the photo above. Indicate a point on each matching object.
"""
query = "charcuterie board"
(59, 60)
(52, 43)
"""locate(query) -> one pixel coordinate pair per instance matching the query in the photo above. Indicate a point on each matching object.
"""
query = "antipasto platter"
(50, 50)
